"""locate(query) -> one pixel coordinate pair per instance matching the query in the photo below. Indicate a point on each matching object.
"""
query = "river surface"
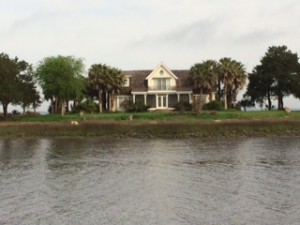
(139, 181)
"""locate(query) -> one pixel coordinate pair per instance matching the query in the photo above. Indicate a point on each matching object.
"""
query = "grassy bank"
(156, 124)
(205, 116)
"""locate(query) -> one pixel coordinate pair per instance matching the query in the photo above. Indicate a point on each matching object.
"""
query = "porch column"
(178, 97)
(117, 104)
(156, 101)
(167, 101)
(133, 98)
(213, 97)
(190, 98)
(145, 99)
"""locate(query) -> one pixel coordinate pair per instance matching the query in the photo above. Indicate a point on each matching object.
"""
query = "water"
(140, 181)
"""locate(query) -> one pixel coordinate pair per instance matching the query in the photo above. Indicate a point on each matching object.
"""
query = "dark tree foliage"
(274, 76)
(245, 103)
(105, 80)
(16, 83)
(260, 87)
(233, 76)
(295, 84)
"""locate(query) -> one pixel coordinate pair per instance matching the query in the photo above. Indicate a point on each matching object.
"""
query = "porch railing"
(162, 88)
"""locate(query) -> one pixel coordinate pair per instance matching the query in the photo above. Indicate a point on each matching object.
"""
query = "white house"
(160, 88)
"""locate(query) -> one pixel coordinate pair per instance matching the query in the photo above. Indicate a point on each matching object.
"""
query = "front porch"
(162, 101)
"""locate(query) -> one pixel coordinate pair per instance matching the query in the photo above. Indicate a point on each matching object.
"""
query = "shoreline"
(153, 129)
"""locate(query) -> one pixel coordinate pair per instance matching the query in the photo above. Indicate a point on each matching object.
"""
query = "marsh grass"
(152, 129)
(164, 116)
(156, 124)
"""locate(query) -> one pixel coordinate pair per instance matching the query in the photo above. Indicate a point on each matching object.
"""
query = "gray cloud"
(254, 37)
(199, 32)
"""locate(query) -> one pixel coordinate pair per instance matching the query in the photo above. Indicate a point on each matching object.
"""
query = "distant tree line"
(62, 81)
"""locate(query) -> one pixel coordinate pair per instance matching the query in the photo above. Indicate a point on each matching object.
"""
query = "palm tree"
(104, 79)
(233, 76)
(239, 81)
(116, 83)
(204, 76)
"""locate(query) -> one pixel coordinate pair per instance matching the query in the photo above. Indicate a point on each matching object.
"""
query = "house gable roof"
(161, 67)
(138, 79)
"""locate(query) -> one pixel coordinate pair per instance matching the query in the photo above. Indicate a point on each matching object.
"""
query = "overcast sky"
(139, 34)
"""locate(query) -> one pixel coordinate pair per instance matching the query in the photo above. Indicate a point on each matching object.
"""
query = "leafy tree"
(276, 75)
(233, 77)
(61, 80)
(260, 87)
(105, 79)
(281, 63)
(15, 81)
(29, 96)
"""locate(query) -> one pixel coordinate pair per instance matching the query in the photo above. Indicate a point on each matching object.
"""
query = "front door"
(161, 101)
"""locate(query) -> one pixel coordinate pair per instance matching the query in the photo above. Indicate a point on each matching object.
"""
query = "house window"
(161, 84)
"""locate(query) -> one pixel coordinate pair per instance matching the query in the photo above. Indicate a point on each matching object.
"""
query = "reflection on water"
(140, 181)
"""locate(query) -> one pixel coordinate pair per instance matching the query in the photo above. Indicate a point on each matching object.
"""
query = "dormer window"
(126, 82)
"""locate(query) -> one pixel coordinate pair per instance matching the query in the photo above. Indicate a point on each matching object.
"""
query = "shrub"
(15, 112)
(88, 106)
(245, 103)
(129, 106)
(183, 106)
(214, 105)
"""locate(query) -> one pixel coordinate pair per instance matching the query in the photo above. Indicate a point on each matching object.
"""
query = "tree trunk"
(52, 106)
(104, 100)
(219, 90)
(198, 103)
(107, 101)
(4, 106)
(112, 99)
(67, 104)
(210, 96)
(269, 102)
(100, 100)
(56, 106)
(225, 97)
(280, 102)
(63, 108)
